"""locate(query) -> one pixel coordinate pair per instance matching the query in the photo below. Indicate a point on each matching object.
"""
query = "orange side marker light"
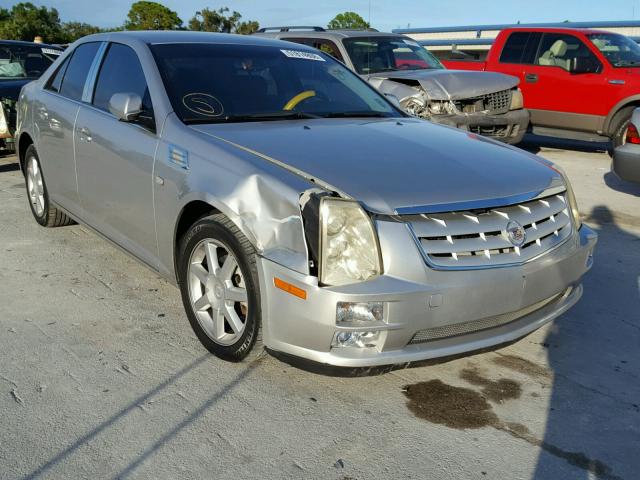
(287, 287)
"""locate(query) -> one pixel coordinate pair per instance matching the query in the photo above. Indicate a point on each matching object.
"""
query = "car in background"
(293, 204)
(20, 63)
(488, 104)
(626, 157)
(577, 83)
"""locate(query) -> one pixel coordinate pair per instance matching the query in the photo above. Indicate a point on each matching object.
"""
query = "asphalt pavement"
(102, 377)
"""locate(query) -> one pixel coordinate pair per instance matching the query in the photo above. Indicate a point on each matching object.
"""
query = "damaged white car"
(294, 205)
(486, 103)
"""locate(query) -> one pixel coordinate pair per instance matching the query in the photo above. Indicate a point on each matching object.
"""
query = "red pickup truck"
(576, 83)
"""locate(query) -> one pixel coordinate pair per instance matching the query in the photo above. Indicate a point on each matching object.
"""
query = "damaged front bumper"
(508, 127)
(427, 313)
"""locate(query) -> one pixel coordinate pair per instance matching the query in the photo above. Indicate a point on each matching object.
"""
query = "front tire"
(220, 290)
(41, 208)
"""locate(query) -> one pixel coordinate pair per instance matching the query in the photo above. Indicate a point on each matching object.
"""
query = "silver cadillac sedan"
(293, 205)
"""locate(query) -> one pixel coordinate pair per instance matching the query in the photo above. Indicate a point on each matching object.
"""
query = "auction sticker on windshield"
(303, 55)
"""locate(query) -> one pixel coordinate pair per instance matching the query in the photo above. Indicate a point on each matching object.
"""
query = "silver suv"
(485, 103)
(293, 204)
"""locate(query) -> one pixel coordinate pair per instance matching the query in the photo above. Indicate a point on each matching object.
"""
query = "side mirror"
(579, 65)
(125, 106)
(394, 100)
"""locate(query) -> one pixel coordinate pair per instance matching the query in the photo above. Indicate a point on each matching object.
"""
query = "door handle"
(85, 134)
(530, 77)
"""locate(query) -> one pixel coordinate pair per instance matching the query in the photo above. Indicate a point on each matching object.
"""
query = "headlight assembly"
(349, 250)
(4, 127)
(571, 198)
(573, 204)
(517, 100)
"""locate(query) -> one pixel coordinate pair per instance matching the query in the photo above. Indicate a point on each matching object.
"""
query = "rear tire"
(41, 208)
(218, 280)
(619, 125)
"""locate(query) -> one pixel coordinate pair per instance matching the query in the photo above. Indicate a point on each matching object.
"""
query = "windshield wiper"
(254, 117)
(355, 114)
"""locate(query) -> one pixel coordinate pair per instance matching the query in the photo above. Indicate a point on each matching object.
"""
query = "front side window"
(619, 50)
(25, 61)
(561, 50)
(210, 83)
(76, 74)
(112, 79)
(388, 54)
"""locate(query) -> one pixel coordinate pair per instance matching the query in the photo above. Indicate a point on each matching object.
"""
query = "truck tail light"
(632, 134)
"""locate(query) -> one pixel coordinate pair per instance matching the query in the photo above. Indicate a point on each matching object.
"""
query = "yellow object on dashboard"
(291, 104)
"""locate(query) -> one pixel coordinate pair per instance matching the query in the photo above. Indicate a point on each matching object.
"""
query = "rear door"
(116, 159)
(518, 53)
(54, 116)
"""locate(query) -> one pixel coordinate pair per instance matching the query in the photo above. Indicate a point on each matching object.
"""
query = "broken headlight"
(349, 250)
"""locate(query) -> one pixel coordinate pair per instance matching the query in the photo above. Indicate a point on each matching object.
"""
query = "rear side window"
(55, 81)
(121, 72)
(521, 47)
(78, 69)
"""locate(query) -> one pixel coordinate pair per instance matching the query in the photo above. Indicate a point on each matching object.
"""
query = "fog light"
(356, 339)
(359, 312)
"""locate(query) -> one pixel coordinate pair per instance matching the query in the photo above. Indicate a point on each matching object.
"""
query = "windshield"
(620, 51)
(25, 61)
(210, 83)
(388, 54)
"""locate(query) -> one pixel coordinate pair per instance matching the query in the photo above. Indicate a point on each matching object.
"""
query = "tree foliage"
(145, 15)
(25, 21)
(348, 20)
(207, 20)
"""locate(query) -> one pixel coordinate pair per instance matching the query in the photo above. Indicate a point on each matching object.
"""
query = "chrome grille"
(479, 238)
(446, 331)
(498, 102)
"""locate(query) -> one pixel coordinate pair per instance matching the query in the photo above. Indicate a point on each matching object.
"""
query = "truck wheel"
(45, 214)
(619, 125)
(220, 290)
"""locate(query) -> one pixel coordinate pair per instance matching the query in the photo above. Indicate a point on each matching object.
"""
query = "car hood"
(443, 84)
(11, 88)
(391, 164)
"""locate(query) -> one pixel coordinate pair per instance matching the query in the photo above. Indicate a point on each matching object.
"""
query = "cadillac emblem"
(516, 234)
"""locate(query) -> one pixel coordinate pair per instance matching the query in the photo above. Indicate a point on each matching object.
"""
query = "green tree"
(71, 31)
(207, 20)
(145, 15)
(348, 20)
(25, 21)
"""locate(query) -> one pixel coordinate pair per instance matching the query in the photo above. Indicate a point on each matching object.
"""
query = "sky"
(383, 14)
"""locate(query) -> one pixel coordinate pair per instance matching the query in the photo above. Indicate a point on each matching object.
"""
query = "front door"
(115, 159)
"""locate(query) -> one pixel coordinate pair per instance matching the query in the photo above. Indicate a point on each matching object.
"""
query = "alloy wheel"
(217, 291)
(35, 186)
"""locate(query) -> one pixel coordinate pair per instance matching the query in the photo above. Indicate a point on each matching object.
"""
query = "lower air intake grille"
(447, 331)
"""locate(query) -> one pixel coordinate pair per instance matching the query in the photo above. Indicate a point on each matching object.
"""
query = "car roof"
(166, 36)
(328, 33)
(585, 31)
(32, 44)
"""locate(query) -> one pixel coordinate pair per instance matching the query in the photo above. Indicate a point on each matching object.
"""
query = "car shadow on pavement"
(593, 421)
(615, 183)
(132, 406)
(9, 167)
(534, 143)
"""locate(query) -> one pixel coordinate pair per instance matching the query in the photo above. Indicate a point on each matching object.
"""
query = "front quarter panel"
(262, 199)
